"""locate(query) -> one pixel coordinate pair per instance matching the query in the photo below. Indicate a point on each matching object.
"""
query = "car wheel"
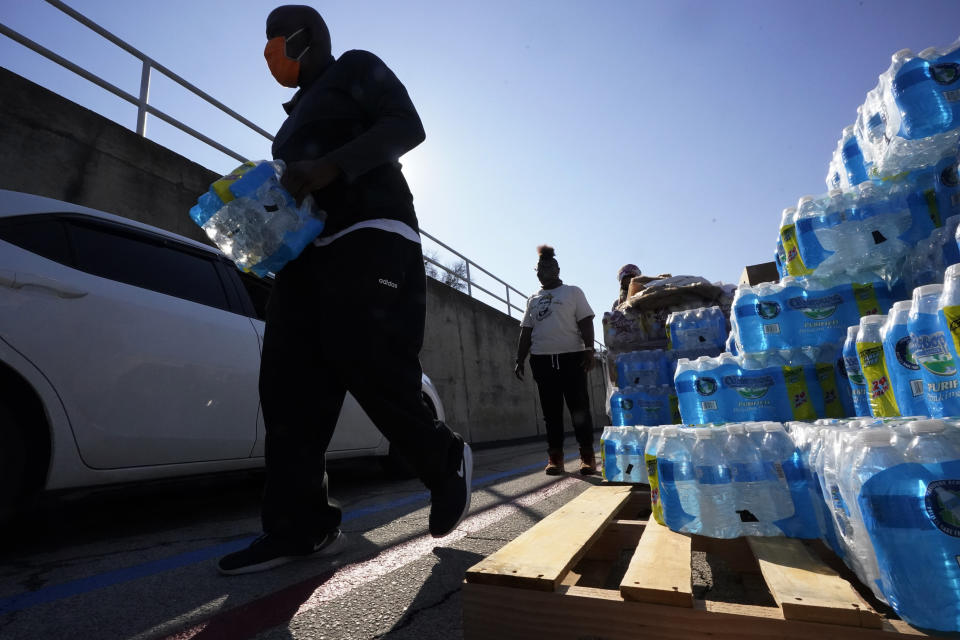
(13, 455)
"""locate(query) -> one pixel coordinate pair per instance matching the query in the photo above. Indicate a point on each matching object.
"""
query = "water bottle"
(626, 449)
(770, 315)
(837, 401)
(709, 392)
(755, 432)
(871, 452)
(802, 360)
(678, 483)
(639, 461)
(650, 459)
(874, 368)
(751, 486)
(621, 365)
(746, 319)
(609, 443)
(783, 461)
(852, 157)
(911, 513)
(824, 521)
(821, 462)
(751, 390)
(851, 363)
(904, 371)
(670, 411)
(870, 127)
(791, 299)
(932, 351)
(713, 485)
(949, 312)
(893, 152)
(621, 407)
(683, 381)
(816, 222)
(797, 396)
(636, 468)
(788, 235)
(673, 329)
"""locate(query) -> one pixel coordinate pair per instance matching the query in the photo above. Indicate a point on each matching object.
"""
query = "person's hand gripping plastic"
(303, 177)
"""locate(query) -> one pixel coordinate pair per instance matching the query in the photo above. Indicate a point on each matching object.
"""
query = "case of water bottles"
(797, 384)
(905, 363)
(801, 312)
(888, 499)
(254, 220)
(696, 331)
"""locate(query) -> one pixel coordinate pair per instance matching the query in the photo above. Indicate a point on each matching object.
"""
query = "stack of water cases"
(645, 393)
(888, 503)
(894, 193)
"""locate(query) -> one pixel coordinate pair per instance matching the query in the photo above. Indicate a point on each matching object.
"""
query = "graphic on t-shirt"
(543, 306)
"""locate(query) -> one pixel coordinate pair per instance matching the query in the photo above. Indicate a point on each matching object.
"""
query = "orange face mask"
(285, 69)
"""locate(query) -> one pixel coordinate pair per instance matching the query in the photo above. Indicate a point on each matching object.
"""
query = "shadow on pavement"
(439, 596)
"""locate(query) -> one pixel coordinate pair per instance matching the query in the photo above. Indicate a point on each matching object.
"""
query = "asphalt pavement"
(139, 563)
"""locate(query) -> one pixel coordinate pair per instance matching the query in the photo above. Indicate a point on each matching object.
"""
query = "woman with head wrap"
(557, 332)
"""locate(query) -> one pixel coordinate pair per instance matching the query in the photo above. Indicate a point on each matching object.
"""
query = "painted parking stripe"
(280, 607)
(55, 592)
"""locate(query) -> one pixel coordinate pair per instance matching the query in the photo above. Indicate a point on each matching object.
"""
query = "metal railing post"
(507, 287)
(144, 98)
(469, 287)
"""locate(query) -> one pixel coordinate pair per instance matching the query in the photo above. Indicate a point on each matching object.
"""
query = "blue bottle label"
(747, 472)
(712, 475)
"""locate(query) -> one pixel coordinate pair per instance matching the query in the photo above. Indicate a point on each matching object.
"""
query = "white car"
(130, 353)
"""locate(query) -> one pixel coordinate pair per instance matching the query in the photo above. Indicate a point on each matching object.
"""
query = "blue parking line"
(56, 592)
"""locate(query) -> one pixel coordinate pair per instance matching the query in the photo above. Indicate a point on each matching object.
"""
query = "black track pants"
(345, 317)
(561, 378)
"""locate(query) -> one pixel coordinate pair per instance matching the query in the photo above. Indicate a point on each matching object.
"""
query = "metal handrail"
(144, 108)
(470, 284)
(120, 93)
(148, 64)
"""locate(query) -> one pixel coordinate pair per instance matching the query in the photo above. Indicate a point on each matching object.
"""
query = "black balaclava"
(286, 20)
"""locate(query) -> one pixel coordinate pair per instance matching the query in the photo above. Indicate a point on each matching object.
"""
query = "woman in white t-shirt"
(557, 332)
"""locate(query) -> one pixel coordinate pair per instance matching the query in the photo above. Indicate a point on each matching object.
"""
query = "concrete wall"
(53, 147)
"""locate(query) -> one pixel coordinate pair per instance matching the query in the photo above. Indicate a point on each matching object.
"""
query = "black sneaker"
(450, 502)
(269, 551)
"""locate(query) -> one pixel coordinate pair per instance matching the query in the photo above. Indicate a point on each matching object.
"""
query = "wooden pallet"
(550, 583)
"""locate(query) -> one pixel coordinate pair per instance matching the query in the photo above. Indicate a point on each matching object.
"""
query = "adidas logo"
(387, 283)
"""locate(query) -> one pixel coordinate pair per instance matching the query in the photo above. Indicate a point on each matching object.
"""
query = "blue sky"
(667, 134)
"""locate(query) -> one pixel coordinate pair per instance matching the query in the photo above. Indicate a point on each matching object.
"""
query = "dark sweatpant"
(345, 317)
(561, 377)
